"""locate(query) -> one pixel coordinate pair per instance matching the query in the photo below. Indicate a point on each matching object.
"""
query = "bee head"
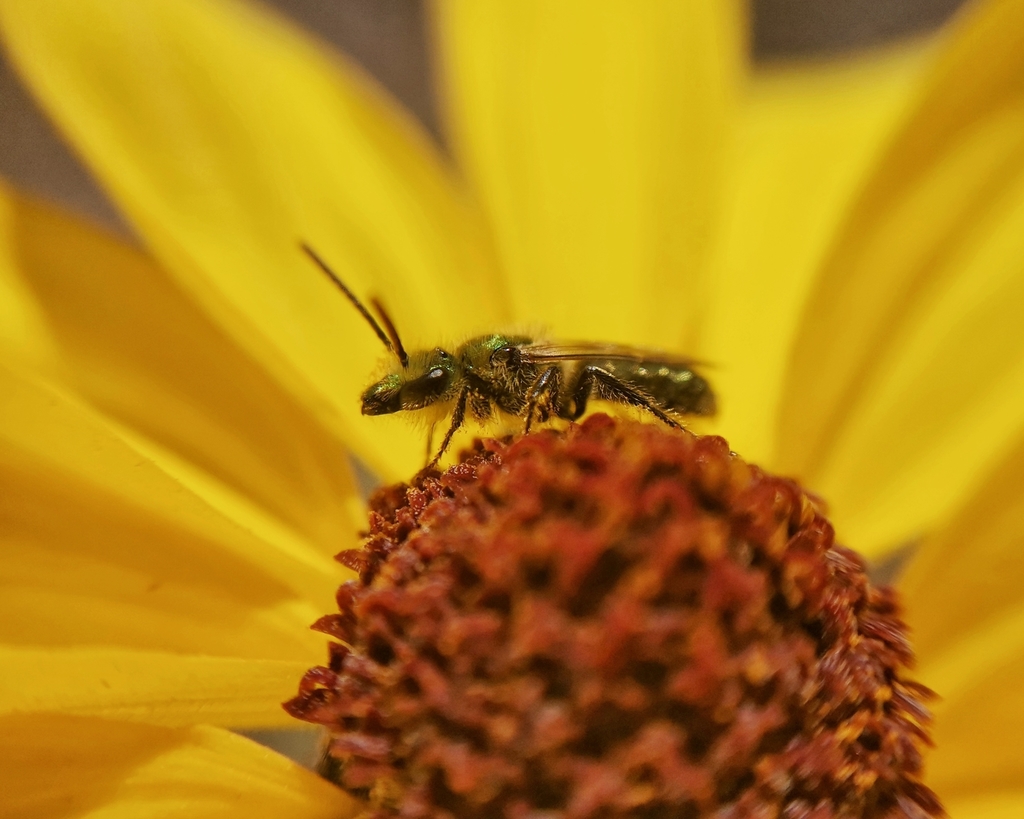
(429, 377)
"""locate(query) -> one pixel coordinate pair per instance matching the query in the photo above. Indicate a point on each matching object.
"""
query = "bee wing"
(542, 351)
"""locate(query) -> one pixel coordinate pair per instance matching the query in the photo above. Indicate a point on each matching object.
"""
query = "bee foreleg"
(613, 389)
(480, 406)
(543, 395)
(430, 441)
(458, 417)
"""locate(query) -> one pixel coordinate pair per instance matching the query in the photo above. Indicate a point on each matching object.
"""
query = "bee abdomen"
(675, 388)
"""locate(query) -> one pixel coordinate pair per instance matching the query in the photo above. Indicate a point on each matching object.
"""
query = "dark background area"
(388, 37)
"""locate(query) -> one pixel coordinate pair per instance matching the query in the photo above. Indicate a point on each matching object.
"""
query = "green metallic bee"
(526, 377)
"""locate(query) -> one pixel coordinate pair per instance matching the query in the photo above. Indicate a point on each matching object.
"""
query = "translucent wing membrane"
(599, 351)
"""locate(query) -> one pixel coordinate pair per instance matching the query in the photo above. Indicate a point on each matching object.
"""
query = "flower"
(614, 620)
(171, 475)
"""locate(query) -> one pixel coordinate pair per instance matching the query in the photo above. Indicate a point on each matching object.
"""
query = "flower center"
(618, 620)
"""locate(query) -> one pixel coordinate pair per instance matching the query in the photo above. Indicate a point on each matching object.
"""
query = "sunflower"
(844, 243)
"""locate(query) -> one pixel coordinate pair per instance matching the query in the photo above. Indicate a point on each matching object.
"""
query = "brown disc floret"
(617, 620)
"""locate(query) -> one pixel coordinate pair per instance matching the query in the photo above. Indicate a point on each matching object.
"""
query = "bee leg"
(458, 417)
(613, 389)
(430, 441)
(480, 407)
(543, 395)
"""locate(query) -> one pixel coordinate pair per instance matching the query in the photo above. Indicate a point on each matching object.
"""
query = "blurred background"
(388, 37)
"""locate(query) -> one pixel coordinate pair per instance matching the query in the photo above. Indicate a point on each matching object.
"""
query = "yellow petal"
(979, 725)
(994, 804)
(965, 604)
(137, 347)
(24, 330)
(965, 581)
(146, 686)
(898, 395)
(59, 766)
(807, 137)
(227, 137)
(595, 133)
(101, 546)
(946, 398)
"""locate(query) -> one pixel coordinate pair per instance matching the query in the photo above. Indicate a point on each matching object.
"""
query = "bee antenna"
(389, 338)
(389, 328)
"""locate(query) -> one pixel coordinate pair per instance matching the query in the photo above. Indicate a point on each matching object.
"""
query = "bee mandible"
(530, 378)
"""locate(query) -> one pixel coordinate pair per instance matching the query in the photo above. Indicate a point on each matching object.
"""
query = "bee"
(529, 378)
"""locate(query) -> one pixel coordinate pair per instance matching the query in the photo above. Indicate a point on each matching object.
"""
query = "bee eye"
(426, 389)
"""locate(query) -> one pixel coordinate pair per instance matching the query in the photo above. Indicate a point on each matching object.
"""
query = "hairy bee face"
(429, 378)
